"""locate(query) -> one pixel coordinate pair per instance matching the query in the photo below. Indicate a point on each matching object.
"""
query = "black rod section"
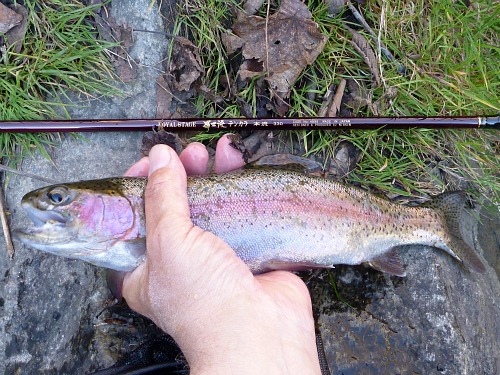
(235, 124)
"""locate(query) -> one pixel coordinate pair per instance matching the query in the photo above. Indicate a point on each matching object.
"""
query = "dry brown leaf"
(251, 68)
(358, 95)
(335, 6)
(163, 98)
(160, 137)
(109, 30)
(185, 67)
(364, 49)
(252, 6)
(15, 36)
(292, 42)
(8, 18)
(346, 157)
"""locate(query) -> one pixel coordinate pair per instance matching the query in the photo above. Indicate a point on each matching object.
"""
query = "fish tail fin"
(451, 205)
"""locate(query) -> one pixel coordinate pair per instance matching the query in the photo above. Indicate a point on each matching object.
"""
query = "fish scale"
(274, 219)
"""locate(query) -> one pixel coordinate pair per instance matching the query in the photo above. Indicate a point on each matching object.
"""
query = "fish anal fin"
(286, 264)
(389, 262)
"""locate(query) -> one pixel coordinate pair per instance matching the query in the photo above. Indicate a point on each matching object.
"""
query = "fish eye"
(58, 195)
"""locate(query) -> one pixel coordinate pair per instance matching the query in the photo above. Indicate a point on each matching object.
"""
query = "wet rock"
(51, 303)
(53, 311)
(440, 319)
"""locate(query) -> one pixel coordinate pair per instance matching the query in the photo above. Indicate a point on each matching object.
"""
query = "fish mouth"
(42, 217)
(50, 232)
(49, 228)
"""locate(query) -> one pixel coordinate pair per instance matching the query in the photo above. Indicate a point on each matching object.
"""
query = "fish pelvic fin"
(389, 262)
(450, 205)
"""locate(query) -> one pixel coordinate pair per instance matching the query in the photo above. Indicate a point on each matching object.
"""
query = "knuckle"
(155, 188)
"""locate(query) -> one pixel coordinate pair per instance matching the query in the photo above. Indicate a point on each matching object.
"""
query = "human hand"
(193, 286)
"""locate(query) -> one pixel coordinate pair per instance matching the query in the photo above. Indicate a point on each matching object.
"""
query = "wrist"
(254, 346)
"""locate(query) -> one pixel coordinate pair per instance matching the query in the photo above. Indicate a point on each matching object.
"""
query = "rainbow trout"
(273, 219)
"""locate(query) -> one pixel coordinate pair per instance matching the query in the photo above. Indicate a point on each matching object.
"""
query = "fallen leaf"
(346, 157)
(384, 101)
(163, 98)
(8, 18)
(252, 6)
(284, 44)
(335, 6)
(358, 95)
(180, 81)
(110, 31)
(251, 68)
(364, 49)
(97, 4)
(161, 137)
(185, 66)
(386, 163)
(15, 36)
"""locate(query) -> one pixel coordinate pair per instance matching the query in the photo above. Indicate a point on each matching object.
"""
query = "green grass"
(452, 58)
(60, 52)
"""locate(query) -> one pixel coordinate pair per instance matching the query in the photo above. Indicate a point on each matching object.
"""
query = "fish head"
(82, 220)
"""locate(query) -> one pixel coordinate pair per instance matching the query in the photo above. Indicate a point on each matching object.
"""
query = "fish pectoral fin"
(134, 247)
(114, 279)
(389, 262)
(287, 264)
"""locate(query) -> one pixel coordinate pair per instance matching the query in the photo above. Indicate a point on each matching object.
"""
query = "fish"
(274, 219)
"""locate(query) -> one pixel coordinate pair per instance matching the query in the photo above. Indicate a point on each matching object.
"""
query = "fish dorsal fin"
(287, 162)
(451, 205)
(389, 262)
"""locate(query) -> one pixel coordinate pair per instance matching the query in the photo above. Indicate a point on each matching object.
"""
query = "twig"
(267, 39)
(380, 45)
(5, 226)
(327, 100)
(337, 99)
(27, 174)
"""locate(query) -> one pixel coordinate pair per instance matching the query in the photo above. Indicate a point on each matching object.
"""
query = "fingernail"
(159, 157)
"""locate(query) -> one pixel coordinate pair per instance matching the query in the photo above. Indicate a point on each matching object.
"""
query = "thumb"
(167, 216)
(166, 203)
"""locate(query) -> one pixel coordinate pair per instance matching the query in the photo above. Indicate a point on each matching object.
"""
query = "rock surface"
(440, 319)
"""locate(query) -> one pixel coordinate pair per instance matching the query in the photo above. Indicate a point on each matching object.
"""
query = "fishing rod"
(236, 124)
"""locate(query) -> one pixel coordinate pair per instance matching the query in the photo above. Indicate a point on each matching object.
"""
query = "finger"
(135, 289)
(139, 169)
(195, 159)
(166, 204)
(227, 158)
